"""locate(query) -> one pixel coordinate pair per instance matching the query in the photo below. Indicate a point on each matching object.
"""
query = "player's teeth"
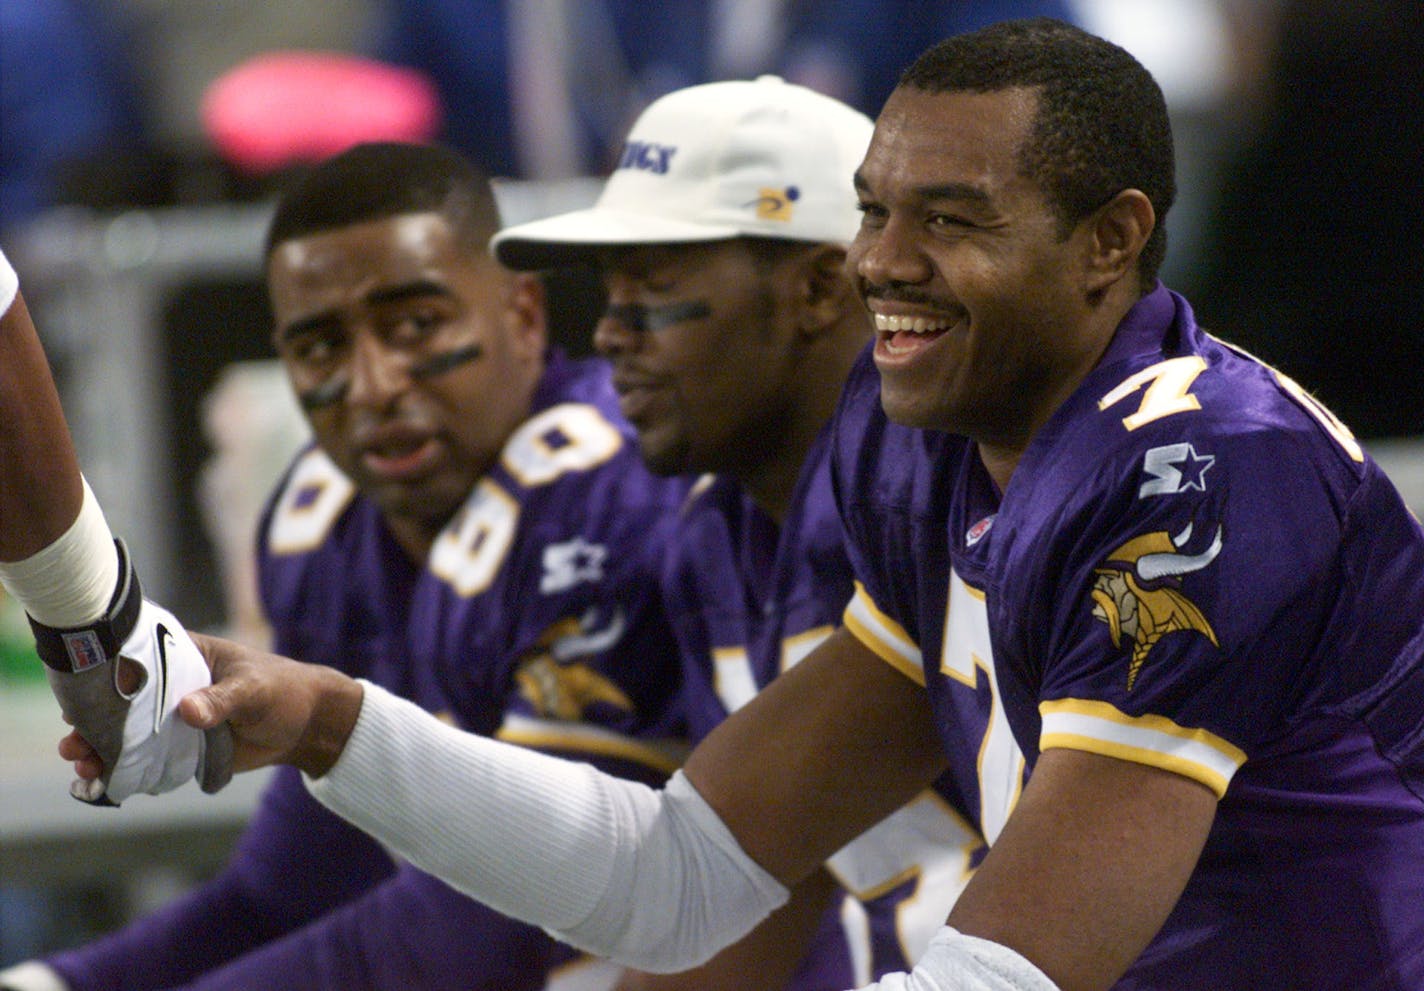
(914, 325)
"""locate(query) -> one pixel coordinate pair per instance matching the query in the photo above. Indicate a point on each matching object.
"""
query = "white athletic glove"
(143, 743)
(31, 976)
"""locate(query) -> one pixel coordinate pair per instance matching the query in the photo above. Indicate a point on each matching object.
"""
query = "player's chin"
(929, 399)
(664, 453)
(908, 406)
(433, 500)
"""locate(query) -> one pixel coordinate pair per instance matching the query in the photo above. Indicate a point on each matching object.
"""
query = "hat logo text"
(647, 156)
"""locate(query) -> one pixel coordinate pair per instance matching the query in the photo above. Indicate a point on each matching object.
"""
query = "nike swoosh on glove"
(145, 746)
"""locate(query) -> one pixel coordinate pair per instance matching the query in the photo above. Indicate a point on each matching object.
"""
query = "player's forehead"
(371, 260)
(400, 240)
(925, 143)
(673, 259)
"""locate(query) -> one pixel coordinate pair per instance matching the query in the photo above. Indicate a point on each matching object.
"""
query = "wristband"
(76, 649)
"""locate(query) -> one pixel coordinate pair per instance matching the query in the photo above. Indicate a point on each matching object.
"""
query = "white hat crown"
(761, 158)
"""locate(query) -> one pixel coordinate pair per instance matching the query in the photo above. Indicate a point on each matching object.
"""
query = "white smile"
(887, 324)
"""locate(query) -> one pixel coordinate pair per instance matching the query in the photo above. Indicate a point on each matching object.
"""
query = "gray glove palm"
(118, 682)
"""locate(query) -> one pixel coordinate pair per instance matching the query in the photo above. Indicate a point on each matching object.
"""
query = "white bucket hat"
(763, 158)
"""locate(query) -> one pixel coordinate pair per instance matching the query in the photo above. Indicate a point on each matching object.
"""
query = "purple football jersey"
(539, 609)
(748, 599)
(309, 901)
(1196, 567)
(335, 586)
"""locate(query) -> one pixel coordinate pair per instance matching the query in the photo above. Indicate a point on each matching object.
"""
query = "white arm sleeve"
(651, 879)
(956, 962)
(68, 582)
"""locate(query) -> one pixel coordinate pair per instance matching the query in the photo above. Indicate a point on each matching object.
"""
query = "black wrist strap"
(79, 648)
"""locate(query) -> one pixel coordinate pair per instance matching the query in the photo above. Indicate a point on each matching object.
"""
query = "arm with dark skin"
(61, 565)
(1092, 860)
(1087, 869)
(276, 695)
(1089, 865)
(846, 711)
(40, 487)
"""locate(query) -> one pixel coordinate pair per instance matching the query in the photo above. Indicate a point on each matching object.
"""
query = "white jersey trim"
(1101, 728)
(882, 635)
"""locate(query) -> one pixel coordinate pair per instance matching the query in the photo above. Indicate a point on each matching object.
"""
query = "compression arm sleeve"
(651, 879)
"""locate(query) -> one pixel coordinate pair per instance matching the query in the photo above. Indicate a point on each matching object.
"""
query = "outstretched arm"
(652, 879)
(40, 486)
(1076, 885)
(117, 662)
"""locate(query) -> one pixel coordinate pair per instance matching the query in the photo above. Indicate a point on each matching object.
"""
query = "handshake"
(121, 682)
(118, 682)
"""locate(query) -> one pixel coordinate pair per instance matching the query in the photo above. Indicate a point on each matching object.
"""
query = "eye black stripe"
(441, 363)
(646, 319)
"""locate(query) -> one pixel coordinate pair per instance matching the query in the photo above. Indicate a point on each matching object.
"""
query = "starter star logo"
(1174, 468)
(571, 563)
(1138, 593)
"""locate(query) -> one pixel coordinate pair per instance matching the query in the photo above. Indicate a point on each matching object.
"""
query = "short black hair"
(1101, 124)
(376, 180)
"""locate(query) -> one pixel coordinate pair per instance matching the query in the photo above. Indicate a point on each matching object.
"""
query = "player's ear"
(1118, 231)
(824, 291)
(525, 312)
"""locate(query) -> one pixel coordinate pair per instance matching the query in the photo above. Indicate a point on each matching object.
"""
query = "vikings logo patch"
(556, 683)
(1138, 593)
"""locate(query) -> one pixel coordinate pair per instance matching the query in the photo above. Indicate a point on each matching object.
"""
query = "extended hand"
(118, 681)
(280, 711)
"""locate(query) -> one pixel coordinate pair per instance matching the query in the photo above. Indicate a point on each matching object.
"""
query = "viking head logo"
(554, 678)
(1137, 592)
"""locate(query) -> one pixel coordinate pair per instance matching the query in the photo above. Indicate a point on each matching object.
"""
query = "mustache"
(904, 294)
(334, 390)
